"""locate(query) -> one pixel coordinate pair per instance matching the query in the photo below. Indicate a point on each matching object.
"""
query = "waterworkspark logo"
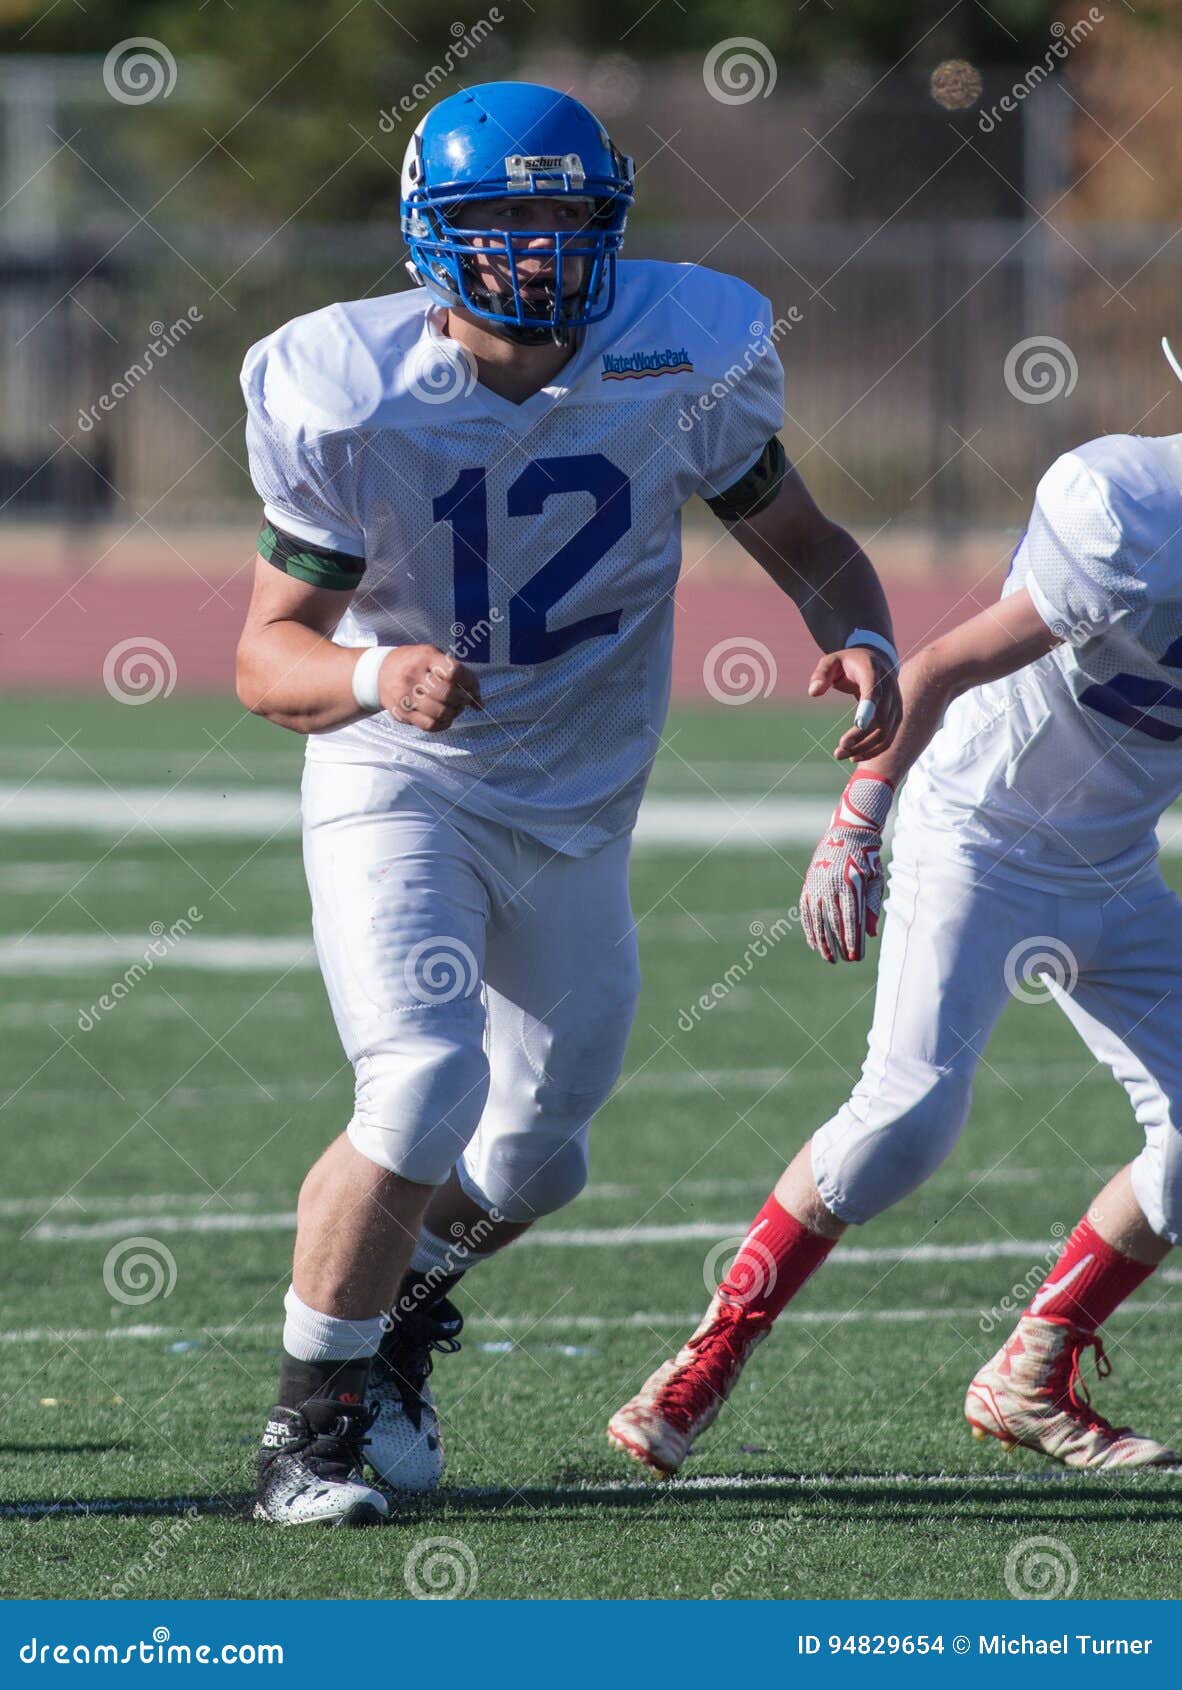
(629, 366)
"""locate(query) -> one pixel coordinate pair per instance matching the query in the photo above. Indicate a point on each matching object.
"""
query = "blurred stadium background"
(920, 189)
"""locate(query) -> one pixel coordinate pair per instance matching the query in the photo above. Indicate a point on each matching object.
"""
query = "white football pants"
(483, 986)
(955, 948)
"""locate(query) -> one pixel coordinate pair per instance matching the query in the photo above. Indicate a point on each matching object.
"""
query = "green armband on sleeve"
(315, 565)
(756, 490)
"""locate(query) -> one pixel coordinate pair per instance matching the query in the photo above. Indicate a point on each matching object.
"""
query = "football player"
(464, 597)
(1025, 847)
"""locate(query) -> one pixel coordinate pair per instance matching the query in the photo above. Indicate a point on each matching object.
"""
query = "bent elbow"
(247, 684)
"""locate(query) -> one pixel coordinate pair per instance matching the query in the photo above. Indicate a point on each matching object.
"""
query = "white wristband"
(867, 636)
(365, 676)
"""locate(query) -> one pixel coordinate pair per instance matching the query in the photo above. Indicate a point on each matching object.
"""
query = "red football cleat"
(1031, 1394)
(683, 1397)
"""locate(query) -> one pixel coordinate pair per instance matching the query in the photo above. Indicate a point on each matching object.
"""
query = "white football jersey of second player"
(1058, 774)
(539, 542)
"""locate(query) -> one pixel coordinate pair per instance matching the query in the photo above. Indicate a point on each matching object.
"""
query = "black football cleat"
(310, 1465)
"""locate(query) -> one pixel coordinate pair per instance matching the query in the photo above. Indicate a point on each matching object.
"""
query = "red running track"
(59, 629)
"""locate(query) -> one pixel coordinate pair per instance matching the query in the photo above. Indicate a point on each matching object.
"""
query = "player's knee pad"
(420, 1094)
(1157, 1180)
(524, 1175)
(530, 1156)
(878, 1149)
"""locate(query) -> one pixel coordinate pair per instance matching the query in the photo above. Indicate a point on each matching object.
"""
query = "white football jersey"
(539, 542)
(1058, 774)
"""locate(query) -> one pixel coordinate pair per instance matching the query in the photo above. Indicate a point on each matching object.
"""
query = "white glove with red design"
(842, 892)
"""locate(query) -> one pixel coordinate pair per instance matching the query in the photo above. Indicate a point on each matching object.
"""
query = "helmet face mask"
(479, 211)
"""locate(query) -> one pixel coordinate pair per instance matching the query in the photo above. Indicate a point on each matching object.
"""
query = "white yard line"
(80, 1203)
(562, 1238)
(643, 1321)
(742, 821)
(67, 953)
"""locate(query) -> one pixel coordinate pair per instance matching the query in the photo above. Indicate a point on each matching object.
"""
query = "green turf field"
(842, 1467)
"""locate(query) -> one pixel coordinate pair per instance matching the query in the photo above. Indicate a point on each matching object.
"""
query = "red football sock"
(777, 1256)
(1089, 1280)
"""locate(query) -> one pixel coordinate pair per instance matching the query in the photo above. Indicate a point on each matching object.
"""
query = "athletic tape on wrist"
(365, 676)
(867, 636)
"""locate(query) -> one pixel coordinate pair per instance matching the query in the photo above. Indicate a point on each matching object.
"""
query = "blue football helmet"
(498, 141)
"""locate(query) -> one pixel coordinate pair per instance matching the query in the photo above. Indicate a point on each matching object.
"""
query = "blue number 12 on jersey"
(464, 507)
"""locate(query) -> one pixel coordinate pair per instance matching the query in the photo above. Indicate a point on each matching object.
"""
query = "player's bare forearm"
(296, 678)
(290, 670)
(833, 584)
(1000, 641)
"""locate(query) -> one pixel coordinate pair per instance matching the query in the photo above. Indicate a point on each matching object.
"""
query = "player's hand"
(426, 687)
(870, 677)
(842, 893)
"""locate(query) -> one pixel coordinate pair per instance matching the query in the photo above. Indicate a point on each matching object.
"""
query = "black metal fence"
(933, 369)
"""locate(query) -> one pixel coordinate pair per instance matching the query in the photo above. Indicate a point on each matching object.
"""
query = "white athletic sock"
(443, 1257)
(309, 1336)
